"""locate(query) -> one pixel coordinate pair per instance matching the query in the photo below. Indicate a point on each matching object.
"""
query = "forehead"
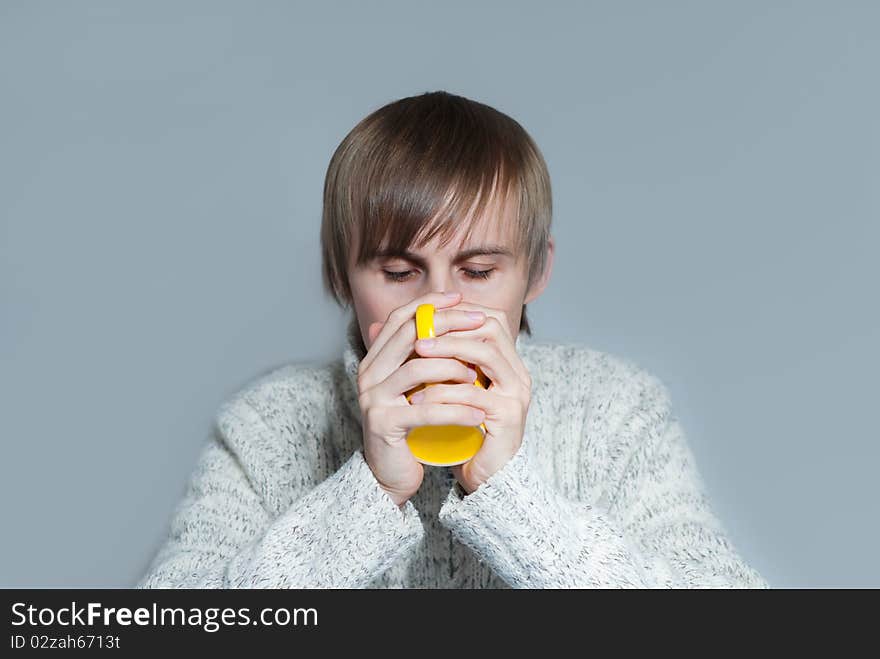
(495, 226)
(482, 232)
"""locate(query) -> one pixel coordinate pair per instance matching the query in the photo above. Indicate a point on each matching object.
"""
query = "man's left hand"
(505, 403)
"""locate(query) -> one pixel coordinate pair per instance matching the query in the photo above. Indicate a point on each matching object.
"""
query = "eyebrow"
(464, 255)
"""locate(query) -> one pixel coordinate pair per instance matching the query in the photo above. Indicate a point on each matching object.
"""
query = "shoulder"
(276, 423)
(606, 405)
(271, 410)
(299, 377)
(615, 400)
(590, 373)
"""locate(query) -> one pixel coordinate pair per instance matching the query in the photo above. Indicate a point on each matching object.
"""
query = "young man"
(584, 478)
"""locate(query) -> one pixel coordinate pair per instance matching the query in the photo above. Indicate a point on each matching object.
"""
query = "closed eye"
(404, 275)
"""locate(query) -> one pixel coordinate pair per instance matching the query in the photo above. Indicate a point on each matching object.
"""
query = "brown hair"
(419, 165)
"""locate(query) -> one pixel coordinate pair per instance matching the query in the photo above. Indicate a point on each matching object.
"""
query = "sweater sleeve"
(340, 534)
(652, 528)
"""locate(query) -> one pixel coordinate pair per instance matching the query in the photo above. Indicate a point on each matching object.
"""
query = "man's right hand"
(384, 377)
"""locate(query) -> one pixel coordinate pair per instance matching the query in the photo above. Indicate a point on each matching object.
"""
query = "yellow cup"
(447, 445)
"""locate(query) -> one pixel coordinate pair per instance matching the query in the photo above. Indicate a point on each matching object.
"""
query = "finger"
(399, 317)
(462, 394)
(439, 414)
(420, 371)
(492, 330)
(399, 347)
(484, 354)
(498, 314)
(445, 320)
(373, 330)
(505, 339)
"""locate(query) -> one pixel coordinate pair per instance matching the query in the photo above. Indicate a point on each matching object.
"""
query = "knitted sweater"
(604, 492)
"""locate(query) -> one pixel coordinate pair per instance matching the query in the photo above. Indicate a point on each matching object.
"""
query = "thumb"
(374, 329)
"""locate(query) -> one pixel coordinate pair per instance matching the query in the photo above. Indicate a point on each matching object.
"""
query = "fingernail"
(417, 397)
(475, 315)
(472, 374)
(426, 343)
(453, 294)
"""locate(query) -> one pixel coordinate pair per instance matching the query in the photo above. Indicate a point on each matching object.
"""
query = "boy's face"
(388, 282)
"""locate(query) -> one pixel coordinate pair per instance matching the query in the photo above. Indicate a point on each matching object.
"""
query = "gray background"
(716, 210)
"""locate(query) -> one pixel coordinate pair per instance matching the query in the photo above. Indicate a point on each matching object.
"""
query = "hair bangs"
(422, 195)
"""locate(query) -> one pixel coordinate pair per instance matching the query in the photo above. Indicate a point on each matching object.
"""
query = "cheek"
(368, 298)
(507, 299)
(372, 305)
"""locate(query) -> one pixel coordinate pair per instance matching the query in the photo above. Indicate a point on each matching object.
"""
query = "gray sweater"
(604, 492)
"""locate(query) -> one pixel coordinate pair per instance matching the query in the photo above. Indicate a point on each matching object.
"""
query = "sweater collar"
(355, 351)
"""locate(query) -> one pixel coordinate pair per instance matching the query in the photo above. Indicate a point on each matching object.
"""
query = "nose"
(441, 281)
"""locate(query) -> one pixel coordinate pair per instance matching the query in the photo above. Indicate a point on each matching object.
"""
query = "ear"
(539, 286)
